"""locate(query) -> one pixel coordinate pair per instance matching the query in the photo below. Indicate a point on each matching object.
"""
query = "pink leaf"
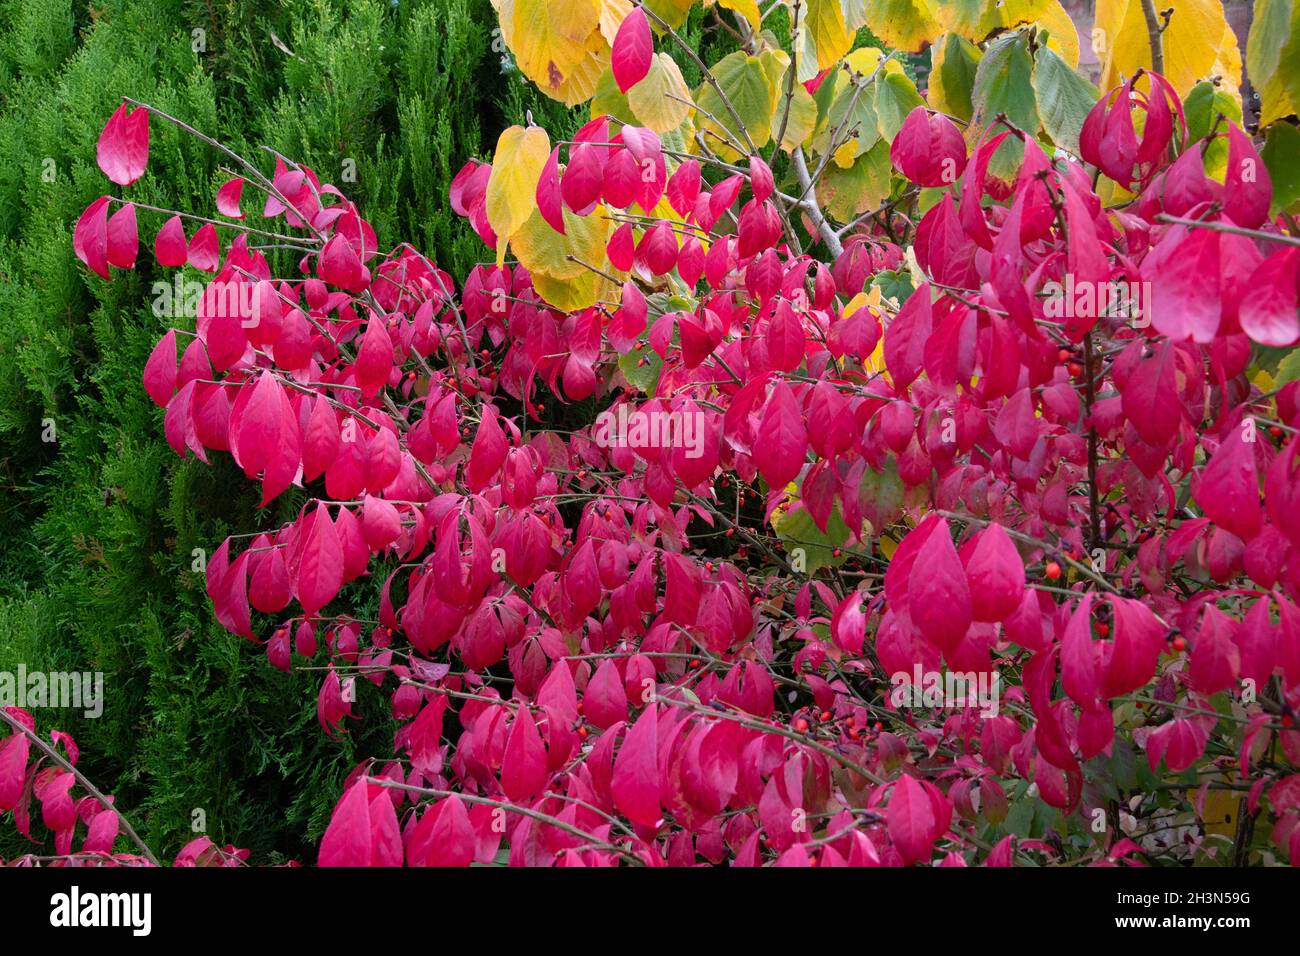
(123, 149)
(632, 51)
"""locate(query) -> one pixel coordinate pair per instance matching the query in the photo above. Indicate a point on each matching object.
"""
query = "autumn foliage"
(912, 441)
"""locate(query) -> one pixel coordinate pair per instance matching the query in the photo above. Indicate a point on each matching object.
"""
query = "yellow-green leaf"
(743, 79)
(1273, 58)
(822, 38)
(661, 100)
(512, 186)
(954, 60)
(864, 185)
(896, 96)
(540, 248)
(803, 119)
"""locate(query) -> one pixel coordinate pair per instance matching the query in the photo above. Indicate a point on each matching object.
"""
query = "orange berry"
(1053, 571)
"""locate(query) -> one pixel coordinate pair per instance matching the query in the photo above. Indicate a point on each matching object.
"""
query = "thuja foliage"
(873, 398)
(97, 561)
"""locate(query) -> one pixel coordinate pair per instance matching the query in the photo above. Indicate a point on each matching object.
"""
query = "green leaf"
(952, 75)
(796, 529)
(894, 284)
(1279, 155)
(1271, 51)
(1063, 97)
(1020, 817)
(1203, 105)
(861, 123)
(1288, 370)
(896, 96)
(1004, 84)
(744, 80)
(644, 377)
(610, 101)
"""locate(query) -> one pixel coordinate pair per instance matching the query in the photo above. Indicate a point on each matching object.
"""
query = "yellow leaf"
(776, 64)
(747, 9)
(846, 154)
(1197, 45)
(581, 83)
(905, 24)
(1062, 35)
(573, 19)
(823, 38)
(547, 48)
(512, 186)
(612, 13)
(657, 101)
(1220, 811)
(862, 300)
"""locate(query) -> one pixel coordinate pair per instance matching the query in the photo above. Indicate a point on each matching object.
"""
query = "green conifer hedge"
(100, 524)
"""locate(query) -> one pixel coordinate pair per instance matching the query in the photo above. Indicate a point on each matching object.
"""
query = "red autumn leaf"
(996, 575)
(160, 370)
(170, 245)
(782, 444)
(122, 241)
(911, 820)
(523, 765)
(123, 148)
(320, 570)
(363, 830)
(228, 198)
(635, 784)
(632, 50)
(1228, 490)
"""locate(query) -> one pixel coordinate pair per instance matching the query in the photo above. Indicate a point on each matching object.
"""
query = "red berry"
(1179, 644)
(1052, 571)
(1075, 369)
(801, 725)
